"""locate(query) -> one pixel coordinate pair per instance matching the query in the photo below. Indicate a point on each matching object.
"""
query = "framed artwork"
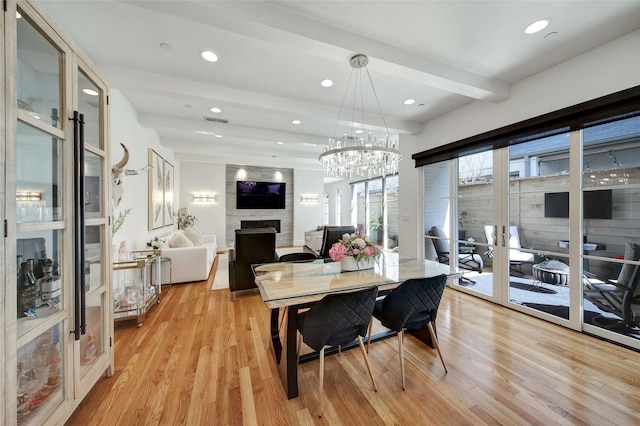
(168, 193)
(156, 190)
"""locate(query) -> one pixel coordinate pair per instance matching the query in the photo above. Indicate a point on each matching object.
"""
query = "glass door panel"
(538, 232)
(92, 342)
(392, 191)
(359, 206)
(39, 176)
(611, 218)
(375, 229)
(89, 104)
(38, 75)
(475, 217)
(39, 281)
(40, 385)
(93, 186)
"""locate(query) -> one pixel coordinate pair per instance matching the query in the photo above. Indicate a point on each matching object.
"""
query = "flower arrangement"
(357, 245)
(156, 243)
(186, 221)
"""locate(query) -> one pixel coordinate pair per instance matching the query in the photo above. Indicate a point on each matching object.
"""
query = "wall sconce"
(28, 196)
(309, 198)
(204, 198)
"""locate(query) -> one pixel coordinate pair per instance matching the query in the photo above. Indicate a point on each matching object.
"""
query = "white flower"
(359, 242)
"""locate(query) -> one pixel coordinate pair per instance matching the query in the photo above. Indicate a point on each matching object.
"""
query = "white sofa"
(188, 264)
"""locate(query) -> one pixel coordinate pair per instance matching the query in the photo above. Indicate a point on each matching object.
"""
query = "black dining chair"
(302, 256)
(336, 320)
(411, 306)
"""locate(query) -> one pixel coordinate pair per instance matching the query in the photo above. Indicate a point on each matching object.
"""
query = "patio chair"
(470, 261)
(516, 256)
(620, 297)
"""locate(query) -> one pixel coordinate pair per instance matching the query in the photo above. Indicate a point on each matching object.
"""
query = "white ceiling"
(274, 54)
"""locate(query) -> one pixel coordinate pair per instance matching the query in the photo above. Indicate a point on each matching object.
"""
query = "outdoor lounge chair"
(516, 256)
(470, 261)
(620, 297)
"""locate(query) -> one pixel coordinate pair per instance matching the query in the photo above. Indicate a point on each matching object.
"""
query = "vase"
(349, 264)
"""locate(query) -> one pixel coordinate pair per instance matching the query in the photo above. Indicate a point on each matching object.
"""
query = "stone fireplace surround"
(234, 216)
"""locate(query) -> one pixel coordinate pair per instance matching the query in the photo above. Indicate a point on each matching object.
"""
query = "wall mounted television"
(596, 204)
(260, 195)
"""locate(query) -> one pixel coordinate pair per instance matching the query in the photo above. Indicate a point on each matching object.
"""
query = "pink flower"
(356, 252)
(337, 252)
(368, 250)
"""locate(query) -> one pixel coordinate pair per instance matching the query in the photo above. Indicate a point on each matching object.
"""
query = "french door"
(554, 221)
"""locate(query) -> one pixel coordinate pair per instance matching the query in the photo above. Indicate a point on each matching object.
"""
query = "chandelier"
(360, 153)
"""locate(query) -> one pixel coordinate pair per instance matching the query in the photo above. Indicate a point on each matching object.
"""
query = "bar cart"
(137, 285)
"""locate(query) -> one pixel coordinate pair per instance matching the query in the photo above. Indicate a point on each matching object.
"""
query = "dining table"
(287, 287)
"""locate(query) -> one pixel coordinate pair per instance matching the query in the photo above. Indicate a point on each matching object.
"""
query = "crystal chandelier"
(360, 154)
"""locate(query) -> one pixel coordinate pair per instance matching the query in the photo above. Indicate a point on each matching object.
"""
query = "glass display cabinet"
(57, 315)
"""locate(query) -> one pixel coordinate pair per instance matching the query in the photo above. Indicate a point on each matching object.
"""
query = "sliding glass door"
(555, 222)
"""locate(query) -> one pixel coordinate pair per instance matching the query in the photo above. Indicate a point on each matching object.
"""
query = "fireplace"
(250, 224)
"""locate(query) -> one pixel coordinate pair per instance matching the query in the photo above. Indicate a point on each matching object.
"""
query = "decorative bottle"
(48, 287)
(26, 289)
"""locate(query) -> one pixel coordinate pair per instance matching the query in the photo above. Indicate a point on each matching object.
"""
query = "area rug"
(221, 280)
(531, 287)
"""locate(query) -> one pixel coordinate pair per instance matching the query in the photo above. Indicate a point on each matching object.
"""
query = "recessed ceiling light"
(208, 55)
(296, 122)
(166, 46)
(216, 110)
(358, 131)
(537, 26)
(90, 92)
(18, 16)
(218, 136)
(280, 143)
(202, 132)
(409, 101)
(326, 83)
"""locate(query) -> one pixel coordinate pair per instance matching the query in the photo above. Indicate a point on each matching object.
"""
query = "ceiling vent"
(216, 120)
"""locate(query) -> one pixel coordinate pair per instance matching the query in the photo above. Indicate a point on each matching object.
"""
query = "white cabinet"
(55, 190)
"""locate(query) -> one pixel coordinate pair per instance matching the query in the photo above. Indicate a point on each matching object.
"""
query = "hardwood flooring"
(200, 359)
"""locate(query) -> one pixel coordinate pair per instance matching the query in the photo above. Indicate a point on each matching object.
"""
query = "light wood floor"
(200, 359)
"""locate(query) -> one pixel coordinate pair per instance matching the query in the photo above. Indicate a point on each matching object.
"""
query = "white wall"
(125, 128)
(331, 189)
(208, 178)
(607, 69)
(306, 216)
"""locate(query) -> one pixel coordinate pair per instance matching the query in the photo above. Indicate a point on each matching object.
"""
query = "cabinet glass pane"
(38, 78)
(38, 280)
(91, 343)
(89, 104)
(40, 376)
(39, 176)
(93, 257)
(93, 203)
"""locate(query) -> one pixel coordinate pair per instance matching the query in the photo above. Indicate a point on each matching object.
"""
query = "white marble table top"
(290, 283)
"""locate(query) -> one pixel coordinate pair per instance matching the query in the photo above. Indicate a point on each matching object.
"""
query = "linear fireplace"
(271, 223)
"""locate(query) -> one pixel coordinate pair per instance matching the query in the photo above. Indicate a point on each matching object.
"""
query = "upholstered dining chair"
(336, 320)
(411, 306)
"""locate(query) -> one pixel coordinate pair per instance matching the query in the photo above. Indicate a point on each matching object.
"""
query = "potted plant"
(375, 224)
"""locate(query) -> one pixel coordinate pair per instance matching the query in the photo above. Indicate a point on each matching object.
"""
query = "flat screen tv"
(596, 204)
(260, 195)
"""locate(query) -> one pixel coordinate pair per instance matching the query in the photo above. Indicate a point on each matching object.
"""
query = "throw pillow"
(178, 240)
(194, 235)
